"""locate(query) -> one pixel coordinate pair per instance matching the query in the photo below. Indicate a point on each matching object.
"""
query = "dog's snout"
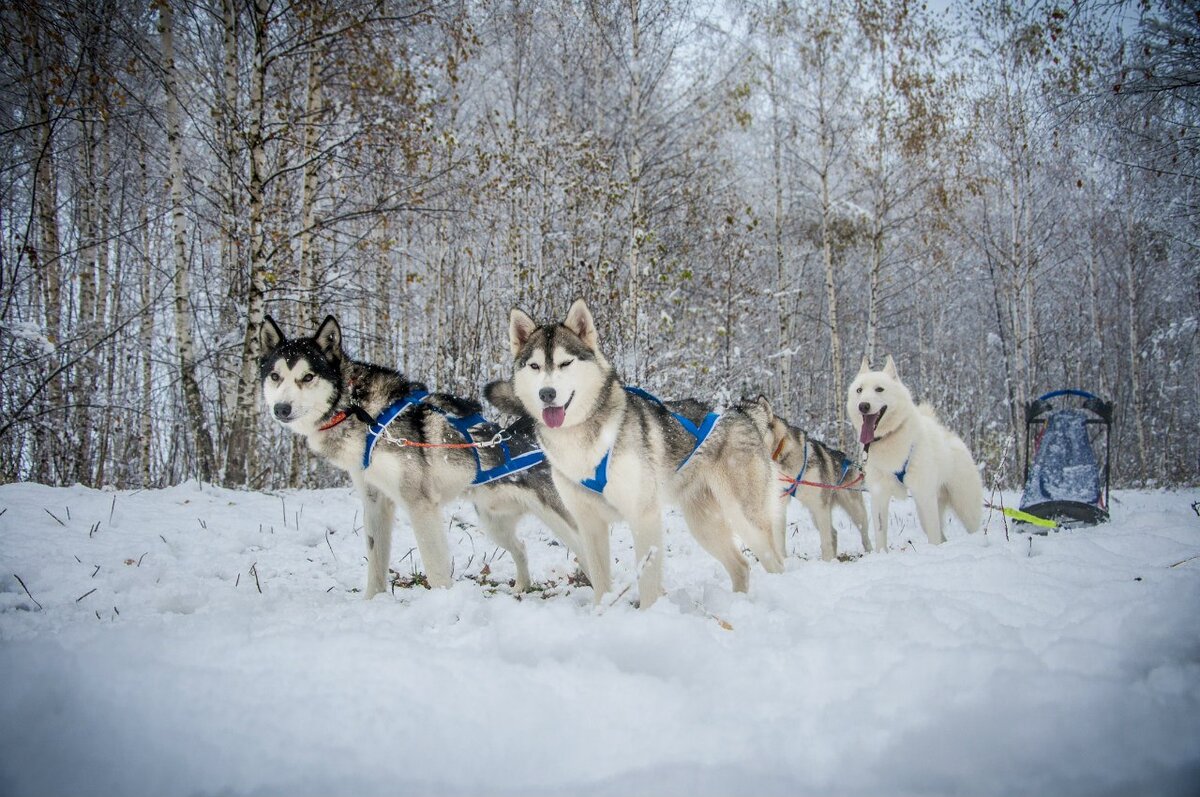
(547, 394)
(283, 410)
(864, 407)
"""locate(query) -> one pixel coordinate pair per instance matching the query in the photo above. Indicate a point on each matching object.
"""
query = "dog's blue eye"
(308, 377)
(535, 366)
(274, 377)
(859, 390)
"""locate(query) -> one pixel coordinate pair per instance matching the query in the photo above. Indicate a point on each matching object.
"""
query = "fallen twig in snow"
(723, 623)
(27, 592)
(84, 595)
(1185, 561)
(51, 514)
(254, 572)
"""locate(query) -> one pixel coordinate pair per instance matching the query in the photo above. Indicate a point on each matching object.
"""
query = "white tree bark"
(193, 400)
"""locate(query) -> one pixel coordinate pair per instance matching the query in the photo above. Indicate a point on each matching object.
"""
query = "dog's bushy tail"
(500, 395)
(454, 405)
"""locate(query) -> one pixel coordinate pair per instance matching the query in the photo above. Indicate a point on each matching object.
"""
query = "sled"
(1066, 482)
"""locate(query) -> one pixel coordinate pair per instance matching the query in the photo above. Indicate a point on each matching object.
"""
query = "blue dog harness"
(599, 479)
(900, 474)
(795, 485)
(463, 425)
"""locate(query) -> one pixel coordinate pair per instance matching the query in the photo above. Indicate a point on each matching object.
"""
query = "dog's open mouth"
(554, 416)
(867, 435)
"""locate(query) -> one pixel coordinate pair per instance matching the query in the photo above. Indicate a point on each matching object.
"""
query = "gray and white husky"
(803, 459)
(909, 450)
(312, 388)
(617, 455)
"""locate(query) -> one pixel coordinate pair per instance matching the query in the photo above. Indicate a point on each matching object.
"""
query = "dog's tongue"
(554, 416)
(867, 434)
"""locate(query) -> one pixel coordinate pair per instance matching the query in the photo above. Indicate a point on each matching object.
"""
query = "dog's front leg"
(426, 518)
(879, 508)
(647, 549)
(592, 530)
(852, 503)
(378, 514)
(822, 515)
(779, 522)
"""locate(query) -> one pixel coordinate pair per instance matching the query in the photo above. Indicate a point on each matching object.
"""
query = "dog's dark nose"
(283, 410)
(546, 394)
(864, 408)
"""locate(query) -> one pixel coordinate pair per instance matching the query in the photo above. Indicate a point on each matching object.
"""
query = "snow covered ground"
(198, 641)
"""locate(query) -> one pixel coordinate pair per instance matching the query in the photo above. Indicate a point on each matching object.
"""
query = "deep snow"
(1065, 665)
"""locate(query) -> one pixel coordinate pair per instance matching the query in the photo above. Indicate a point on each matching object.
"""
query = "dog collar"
(337, 418)
(341, 415)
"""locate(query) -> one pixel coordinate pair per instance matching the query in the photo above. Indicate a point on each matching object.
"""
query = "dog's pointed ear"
(520, 327)
(270, 336)
(865, 367)
(329, 338)
(765, 404)
(889, 367)
(579, 320)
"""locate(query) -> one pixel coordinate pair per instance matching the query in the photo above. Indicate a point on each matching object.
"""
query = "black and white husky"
(619, 454)
(342, 407)
(820, 479)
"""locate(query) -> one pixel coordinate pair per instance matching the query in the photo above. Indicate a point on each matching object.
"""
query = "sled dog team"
(587, 450)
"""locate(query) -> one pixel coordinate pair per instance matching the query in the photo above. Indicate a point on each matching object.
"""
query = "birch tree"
(190, 385)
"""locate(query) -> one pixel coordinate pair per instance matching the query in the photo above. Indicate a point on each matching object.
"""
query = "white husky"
(909, 450)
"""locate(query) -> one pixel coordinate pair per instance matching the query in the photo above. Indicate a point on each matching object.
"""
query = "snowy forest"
(751, 196)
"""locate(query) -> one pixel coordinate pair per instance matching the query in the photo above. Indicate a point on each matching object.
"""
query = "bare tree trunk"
(835, 338)
(784, 288)
(46, 259)
(237, 462)
(313, 110)
(1135, 382)
(86, 373)
(381, 349)
(1093, 291)
(838, 410)
(146, 414)
(879, 211)
(226, 122)
(108, 285)
(636, 223)
(183, 312)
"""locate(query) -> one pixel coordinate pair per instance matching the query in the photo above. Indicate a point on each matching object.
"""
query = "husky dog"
(311, 387)
(620, 455)
(801, 458)
(908, 449)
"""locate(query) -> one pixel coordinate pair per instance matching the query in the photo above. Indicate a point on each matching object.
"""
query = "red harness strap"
(338, 417)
